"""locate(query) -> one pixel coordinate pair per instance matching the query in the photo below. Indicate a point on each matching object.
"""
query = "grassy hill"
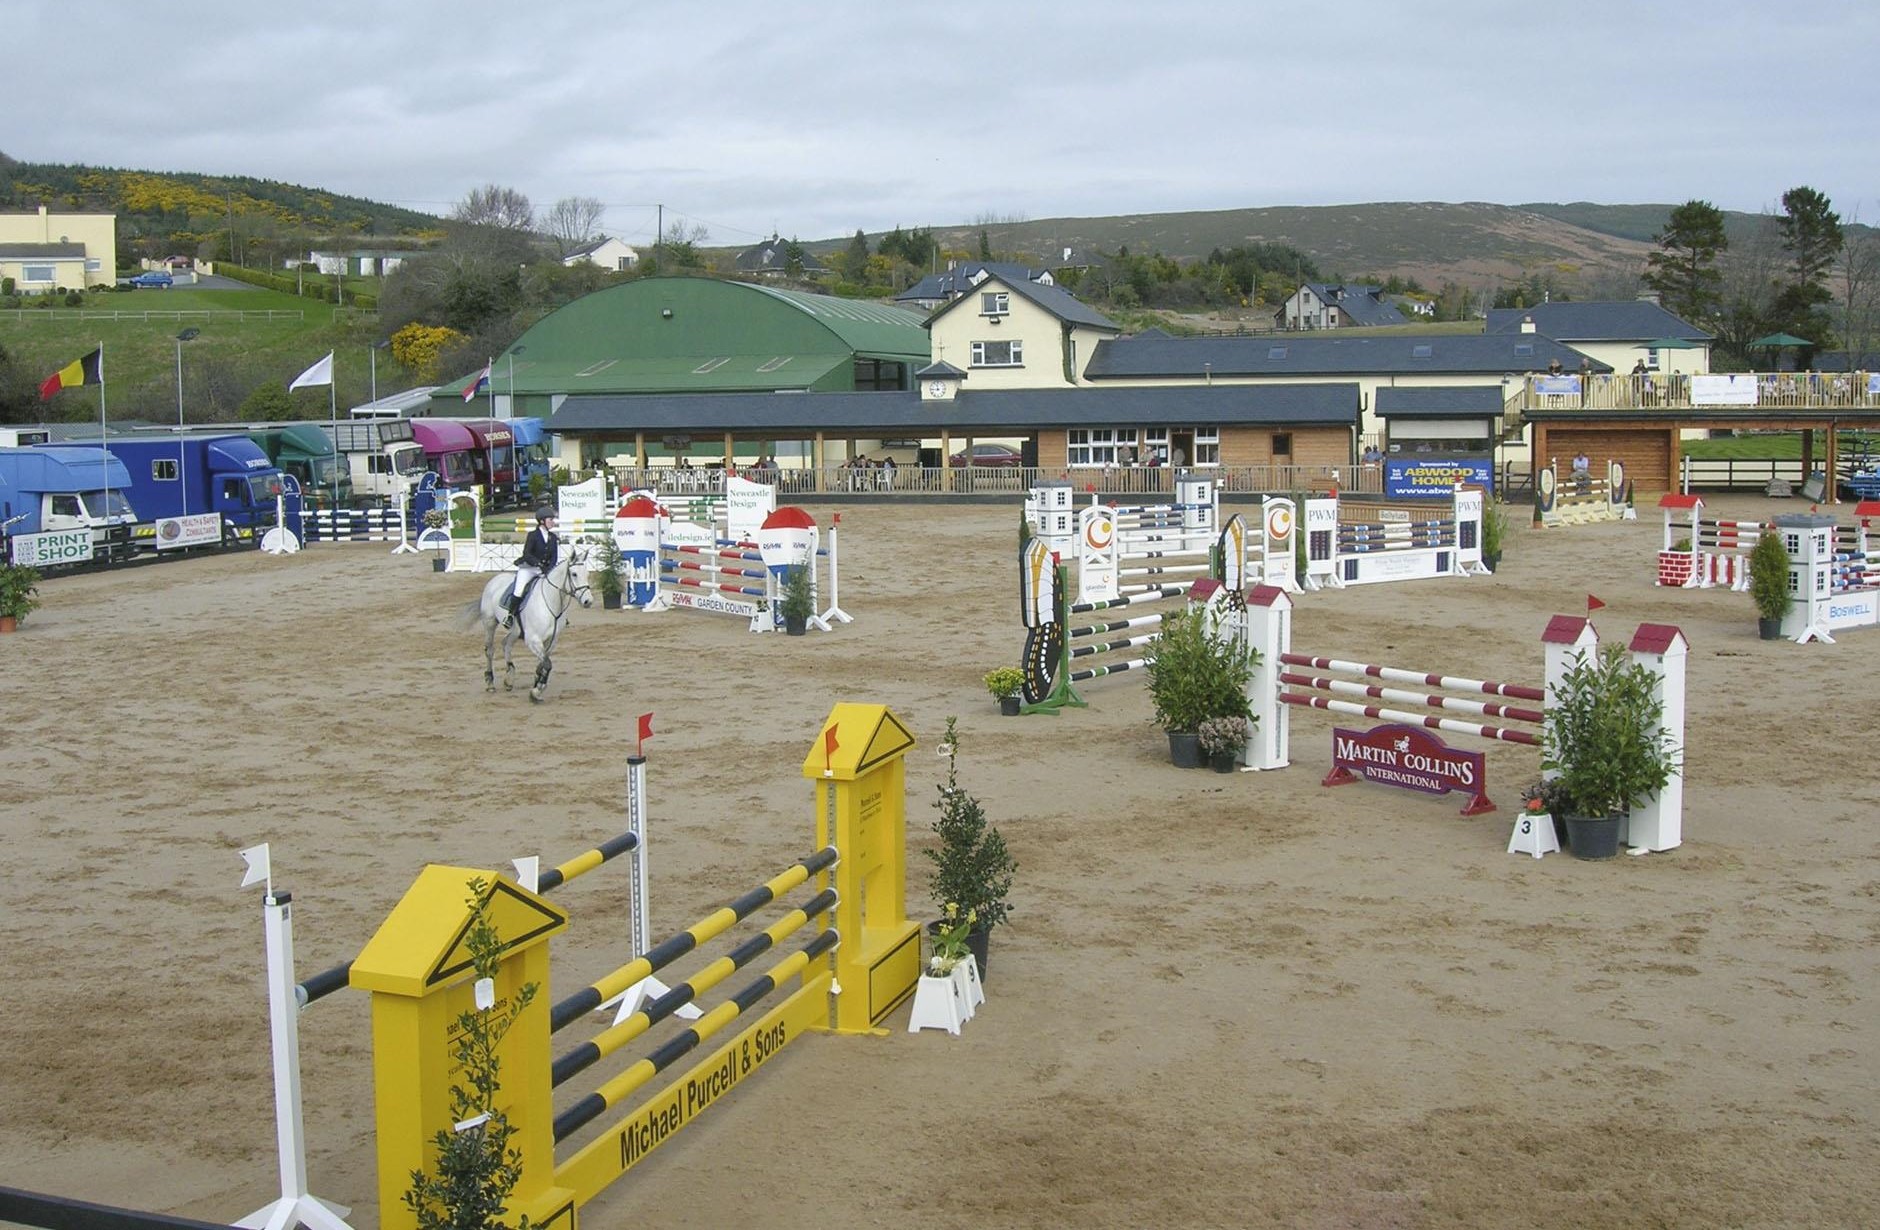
(160, 213)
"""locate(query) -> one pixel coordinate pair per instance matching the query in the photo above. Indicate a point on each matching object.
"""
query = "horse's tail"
(470, 614)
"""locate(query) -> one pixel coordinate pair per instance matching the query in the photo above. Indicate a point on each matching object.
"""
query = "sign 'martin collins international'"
(1410, 758)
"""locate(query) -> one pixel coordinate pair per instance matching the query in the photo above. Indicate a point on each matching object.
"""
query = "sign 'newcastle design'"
(1409, 758)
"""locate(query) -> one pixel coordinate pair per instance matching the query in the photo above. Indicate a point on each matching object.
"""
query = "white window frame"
(1015, 351)
(995, 303)
(1089, 447)
(1207, 446)
(39, 275)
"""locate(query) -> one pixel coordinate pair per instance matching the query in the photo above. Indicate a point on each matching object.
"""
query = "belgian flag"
(88, 370)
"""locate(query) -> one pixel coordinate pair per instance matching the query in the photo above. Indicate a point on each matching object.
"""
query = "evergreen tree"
(1684, 269)
(1812, 237)
(855, 260)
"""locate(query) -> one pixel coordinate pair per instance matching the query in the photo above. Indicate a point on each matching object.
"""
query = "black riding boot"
(509, 609)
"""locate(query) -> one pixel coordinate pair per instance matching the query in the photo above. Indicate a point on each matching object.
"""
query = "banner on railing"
(1730, 390)
(1558, 386)
(1435, 477)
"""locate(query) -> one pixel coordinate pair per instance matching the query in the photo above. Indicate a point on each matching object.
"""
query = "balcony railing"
(1673, 390)
(918, 481)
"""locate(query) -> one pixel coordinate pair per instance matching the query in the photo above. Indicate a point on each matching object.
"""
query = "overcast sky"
(815, 120)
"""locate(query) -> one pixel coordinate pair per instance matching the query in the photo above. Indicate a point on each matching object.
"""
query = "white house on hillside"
(607, 252)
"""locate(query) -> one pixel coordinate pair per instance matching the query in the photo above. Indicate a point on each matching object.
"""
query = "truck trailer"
(178, 475)
(306, 451)
(382, 459)
(64, 505)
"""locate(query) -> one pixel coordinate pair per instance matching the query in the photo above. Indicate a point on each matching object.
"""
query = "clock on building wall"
(936, 388)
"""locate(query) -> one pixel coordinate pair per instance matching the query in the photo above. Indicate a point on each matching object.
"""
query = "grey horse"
(538, 623)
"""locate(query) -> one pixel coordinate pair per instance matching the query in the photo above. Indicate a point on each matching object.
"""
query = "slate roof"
(1294, 354)
(939, 287)
(772, 256)
(1362, 305)
(1454, 402)
(42, 251)
(1629, 320)
(1061, 304)
(1005, 409)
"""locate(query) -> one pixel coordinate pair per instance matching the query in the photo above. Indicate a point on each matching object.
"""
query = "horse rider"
(540, 550)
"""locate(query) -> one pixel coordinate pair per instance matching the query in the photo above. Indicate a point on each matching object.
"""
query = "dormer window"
(1422, 352)
(994, 303)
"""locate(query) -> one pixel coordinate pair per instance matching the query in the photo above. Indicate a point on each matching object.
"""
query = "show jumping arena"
(1343, 1007)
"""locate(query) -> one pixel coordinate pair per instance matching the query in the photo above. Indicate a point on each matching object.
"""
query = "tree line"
(1782, 279)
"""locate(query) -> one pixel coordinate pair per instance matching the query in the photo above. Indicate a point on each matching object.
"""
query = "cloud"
(818, 121)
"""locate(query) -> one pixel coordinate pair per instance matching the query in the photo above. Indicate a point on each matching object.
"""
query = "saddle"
(515, 602)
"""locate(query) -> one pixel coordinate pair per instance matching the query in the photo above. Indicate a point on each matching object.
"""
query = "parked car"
(154, 277)
(1002, 456)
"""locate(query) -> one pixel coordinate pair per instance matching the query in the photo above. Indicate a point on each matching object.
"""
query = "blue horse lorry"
(63, 505)
(179, 475)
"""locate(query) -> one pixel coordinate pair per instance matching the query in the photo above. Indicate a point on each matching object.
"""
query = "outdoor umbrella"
(1779, 340)
(1669, 343)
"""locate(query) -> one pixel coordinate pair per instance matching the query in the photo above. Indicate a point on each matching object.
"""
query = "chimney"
(1527, 324)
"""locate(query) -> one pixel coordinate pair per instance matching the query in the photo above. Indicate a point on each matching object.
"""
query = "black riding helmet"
(547, 512)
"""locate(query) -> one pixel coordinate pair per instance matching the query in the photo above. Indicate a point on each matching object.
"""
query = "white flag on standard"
(319, 373)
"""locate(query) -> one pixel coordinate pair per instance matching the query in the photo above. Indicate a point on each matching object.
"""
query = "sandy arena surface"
(1222, 1000)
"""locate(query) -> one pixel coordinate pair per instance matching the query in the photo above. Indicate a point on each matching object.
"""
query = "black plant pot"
(978, 942)
(610, 602)
(439, 563)
(1769, 629)
(1492, 561)
(1223, 762)
(1184, 749)
(1594, 836)
(795, 625)
(1008, 705)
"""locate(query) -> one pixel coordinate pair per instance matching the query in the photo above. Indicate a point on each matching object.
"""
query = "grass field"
(138, 331)
(1767, 446)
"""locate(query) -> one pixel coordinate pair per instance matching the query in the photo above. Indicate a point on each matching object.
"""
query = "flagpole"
(332, 405)
(489, 443)
(103, 445)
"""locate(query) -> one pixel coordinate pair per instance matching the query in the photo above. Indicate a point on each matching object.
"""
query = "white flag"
(256, 857)
(319, 373)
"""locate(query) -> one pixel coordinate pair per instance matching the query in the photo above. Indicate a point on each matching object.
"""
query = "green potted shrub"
(1769, 582)
(1494, 530)
(797, 603)
(18, 585)
(1195, 673)
(1004, 682)
(606, 573)
(1603, 736)
(972, 869)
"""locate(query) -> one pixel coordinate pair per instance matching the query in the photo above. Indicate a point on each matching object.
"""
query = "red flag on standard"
(646, 732)
(1593, 604)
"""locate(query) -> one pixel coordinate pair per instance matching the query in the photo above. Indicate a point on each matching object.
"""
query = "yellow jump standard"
(861, 964)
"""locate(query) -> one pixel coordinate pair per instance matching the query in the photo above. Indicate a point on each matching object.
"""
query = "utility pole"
(659, 239)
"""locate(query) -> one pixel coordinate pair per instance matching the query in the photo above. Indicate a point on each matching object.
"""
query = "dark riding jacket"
(540, 549)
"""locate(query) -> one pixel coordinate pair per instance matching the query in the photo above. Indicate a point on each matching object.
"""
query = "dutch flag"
(476, 386)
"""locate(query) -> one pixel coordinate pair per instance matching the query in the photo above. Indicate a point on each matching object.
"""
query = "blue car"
(154, 277)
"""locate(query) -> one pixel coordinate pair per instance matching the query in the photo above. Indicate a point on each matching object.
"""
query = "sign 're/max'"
(1410, 758)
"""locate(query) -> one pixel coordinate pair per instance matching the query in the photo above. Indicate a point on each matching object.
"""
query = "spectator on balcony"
(1373, 454)
(1553, 367)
